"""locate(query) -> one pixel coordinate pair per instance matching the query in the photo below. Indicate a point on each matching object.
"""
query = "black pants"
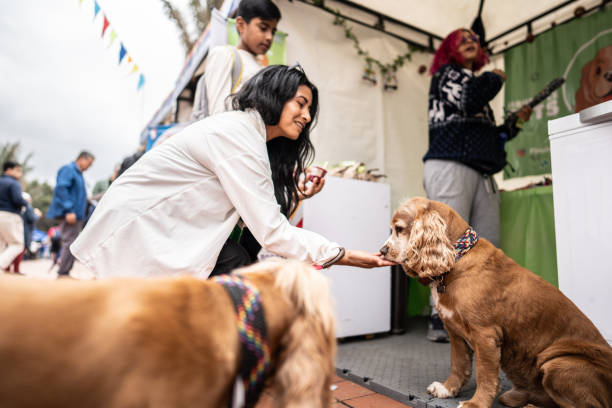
(69, 234)
(235, 255)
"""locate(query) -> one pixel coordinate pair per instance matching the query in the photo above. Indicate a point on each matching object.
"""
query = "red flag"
(106, 23)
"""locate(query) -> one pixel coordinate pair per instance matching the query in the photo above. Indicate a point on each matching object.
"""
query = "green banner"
(579, 51)
(276, 54)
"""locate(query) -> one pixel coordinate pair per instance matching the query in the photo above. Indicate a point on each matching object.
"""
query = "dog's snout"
(608, 76)
(384, 249)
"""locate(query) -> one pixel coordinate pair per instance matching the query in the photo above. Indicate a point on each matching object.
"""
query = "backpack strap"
(200, 102)
(237, 68)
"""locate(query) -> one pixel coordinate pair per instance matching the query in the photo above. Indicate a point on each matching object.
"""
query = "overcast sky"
(61, 88)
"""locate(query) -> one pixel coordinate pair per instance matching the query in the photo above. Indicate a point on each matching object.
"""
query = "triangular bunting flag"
(122, 53)
(105, 26)
(96, 9)
(129, 59)
(113, 37)
(134, 69)
(141, 82)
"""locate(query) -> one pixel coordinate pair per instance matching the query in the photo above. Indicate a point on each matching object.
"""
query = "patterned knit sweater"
(461, 122)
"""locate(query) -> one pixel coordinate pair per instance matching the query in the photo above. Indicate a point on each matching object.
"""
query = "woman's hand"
(308, 189)
(499, 72)
(525, 113)
(363, 259)
(70, 218)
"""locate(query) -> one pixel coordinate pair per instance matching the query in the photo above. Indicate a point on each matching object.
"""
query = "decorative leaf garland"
(387, 70)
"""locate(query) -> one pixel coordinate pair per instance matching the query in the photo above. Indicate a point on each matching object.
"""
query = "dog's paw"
(438, 390)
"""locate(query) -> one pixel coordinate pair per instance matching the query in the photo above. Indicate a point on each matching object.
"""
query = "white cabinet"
(581, 153)
(356, 214)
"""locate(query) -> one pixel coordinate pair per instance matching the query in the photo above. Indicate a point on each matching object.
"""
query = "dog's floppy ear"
(430, 251)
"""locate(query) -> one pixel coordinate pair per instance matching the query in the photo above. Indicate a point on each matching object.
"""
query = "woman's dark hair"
(264, 9)
(267, 92)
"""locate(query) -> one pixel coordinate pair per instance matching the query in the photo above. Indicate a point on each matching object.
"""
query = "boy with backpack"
(228, 67)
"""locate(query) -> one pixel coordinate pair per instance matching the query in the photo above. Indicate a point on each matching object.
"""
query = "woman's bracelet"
(335, 259)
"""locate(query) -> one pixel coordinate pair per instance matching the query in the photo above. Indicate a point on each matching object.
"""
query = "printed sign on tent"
(579, 51)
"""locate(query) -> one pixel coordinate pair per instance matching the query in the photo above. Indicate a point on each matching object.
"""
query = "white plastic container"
(581, 153)
(357, 215)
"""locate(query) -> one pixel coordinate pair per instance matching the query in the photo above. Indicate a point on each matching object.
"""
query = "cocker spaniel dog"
(502, 313)
(170, 342)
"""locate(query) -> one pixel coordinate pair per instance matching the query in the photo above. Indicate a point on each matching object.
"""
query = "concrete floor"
(403, 366)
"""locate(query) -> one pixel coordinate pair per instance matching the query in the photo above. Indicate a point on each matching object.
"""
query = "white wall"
(358, 120)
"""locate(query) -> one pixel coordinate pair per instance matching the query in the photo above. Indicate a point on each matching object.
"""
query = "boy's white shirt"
(162, 216)
(218, 76)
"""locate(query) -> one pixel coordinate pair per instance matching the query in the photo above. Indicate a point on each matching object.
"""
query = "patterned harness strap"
(465, 243)
(251, 322)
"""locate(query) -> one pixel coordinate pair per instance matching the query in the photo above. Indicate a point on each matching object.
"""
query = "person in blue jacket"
(11, 224)
(69, 204)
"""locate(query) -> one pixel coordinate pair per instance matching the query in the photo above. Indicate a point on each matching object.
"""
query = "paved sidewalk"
(346, 394)
(44, 269)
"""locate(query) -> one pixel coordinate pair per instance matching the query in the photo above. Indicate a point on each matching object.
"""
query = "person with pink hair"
(465, 146)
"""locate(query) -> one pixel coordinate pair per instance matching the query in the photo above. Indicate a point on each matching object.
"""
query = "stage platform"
(402, 366)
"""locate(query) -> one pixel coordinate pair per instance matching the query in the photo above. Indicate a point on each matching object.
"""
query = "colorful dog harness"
(251, 322)
(462, 246)
(465, 243)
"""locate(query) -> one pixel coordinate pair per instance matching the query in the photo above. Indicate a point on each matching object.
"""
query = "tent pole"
(380, 24)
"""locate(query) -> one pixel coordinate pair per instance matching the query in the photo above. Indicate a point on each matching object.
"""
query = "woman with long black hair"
(173, 211)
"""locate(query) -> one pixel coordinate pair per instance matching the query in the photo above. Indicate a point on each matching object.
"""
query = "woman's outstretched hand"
(363, 259)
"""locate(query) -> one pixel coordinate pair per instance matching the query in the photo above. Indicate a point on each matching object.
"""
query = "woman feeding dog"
(172, 212)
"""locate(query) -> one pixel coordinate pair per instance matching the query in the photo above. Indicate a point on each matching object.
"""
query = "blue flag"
(96, 9)
(122, 53)
(141, 82)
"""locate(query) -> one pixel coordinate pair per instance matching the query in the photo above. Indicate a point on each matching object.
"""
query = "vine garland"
(387, 70)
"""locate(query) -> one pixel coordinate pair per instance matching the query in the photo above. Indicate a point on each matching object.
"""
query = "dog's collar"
(462, 246)
(465, 243)
(255, 361)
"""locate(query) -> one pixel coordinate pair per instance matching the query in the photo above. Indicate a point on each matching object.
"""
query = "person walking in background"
(55, 243)
(69, 204)
(29, 216)
(465, 145)
(11, 223)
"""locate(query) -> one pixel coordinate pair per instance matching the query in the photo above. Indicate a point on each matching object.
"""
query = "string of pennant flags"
(112, 36)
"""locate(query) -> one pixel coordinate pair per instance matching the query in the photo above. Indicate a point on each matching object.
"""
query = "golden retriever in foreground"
(160, 343)
(505, 315)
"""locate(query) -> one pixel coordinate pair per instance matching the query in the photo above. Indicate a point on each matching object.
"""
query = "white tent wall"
(439, 17)
(361, 121)
(358, 120)
(388, 129)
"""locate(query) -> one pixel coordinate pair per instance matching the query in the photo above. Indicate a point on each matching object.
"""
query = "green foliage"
(41, 193)
(199, 17)
(11, 151)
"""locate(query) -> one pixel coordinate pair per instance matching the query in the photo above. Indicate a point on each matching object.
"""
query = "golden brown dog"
(160, 343)
(505, 315)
